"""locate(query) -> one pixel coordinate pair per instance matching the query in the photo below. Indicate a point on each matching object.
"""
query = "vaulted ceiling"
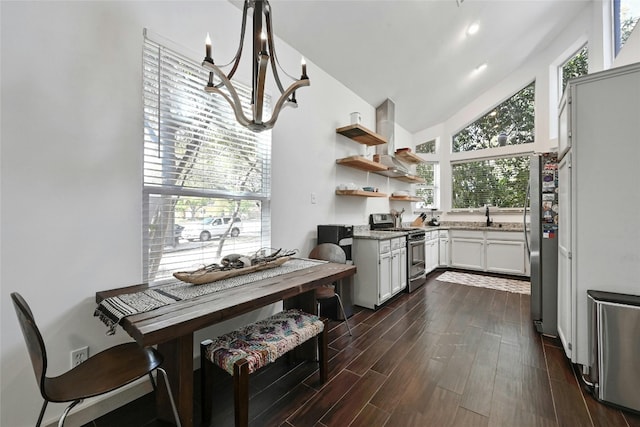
(418, 52)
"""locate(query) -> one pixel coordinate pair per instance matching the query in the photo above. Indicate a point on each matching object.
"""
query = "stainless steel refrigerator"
(541, 237)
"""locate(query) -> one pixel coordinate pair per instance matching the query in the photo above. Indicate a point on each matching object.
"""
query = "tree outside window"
(576, 66)
(498, 181)
(206, 181)
(427, 191)
(626, 14)
(510, 123)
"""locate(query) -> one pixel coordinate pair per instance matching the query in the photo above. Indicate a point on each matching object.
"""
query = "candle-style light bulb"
(304, 68)
(207, 43)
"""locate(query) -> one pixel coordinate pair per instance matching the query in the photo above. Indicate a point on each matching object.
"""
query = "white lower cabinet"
(467, 249)
(491, 251)
(398, 273)
(384, 278)
(506, 257)
(382, 270)
(443, 256)
(432, 254)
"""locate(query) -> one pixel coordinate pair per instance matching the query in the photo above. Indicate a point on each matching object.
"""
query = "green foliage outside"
(577, 66)
(426, 190)
(426, 172)
(627, 24)
(428, 147)
(497, 182)
(514, 119)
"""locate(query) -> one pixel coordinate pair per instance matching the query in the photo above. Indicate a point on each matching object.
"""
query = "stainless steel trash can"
(614, 335)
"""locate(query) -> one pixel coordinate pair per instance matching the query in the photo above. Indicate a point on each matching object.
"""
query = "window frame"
(435, 187)
(617, 22)
(239, 138)
(490, 153)
(512, 155)
(560, 68)
(487, 113)
(430, 157)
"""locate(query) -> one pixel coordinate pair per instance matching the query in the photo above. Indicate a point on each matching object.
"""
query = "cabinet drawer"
(397, 243)
(467, 234)
(443, 233)
(514, 236)
(384, 246)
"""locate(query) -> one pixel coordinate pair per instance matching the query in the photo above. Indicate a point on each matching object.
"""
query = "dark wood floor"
(445, 355)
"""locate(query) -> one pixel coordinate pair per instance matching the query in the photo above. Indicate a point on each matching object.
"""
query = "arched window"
(498, 179)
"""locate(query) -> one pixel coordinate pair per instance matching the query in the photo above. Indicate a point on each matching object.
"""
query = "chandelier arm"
(272, 50)
(263, 52)
(237, 110)
(262, 73)
(239, 51)
(276, 109)
(233, 100)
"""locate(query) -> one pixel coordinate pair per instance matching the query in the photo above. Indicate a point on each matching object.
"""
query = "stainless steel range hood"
(396, 168)
(385, 124)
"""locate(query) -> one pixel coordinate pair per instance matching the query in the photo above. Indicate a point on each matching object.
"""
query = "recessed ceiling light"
(473, 28)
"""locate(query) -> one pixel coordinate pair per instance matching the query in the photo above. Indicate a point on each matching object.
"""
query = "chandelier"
(263, 53)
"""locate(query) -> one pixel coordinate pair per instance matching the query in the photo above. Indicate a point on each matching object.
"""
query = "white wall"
(72, 159)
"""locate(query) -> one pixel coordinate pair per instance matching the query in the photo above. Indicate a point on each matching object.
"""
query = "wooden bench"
(244, 351)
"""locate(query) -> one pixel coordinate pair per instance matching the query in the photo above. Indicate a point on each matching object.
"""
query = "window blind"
(206, 179)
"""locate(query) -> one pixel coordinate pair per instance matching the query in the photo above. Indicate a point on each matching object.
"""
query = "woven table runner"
(112, 310)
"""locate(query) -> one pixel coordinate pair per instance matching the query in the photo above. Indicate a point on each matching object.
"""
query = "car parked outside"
(210, 227)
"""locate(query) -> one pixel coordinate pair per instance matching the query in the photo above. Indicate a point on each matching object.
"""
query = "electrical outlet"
(79, 355)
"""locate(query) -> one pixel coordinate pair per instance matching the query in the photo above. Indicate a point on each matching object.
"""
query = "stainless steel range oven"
(415, 248)
(416, 259)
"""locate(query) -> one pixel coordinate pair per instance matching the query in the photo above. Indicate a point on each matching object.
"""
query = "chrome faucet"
(486, 212)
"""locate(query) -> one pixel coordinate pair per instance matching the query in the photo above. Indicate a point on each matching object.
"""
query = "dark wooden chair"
(332, 253)
(102, 373)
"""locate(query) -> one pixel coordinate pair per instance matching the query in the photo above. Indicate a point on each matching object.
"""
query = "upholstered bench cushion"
(263, 342)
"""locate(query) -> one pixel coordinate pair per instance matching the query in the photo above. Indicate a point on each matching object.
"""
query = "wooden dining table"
(172, 327)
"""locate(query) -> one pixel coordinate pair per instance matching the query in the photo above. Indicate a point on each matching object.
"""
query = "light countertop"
(364, 233)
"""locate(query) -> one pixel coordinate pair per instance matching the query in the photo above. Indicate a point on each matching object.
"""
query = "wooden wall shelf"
(405, 198)
(361, 163)
(362, 135)
(412, 179)
(360, 193)
(409, 157)
(358, 162)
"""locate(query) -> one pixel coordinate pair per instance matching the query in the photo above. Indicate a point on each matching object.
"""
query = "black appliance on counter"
(341, 235)
(416, 263)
